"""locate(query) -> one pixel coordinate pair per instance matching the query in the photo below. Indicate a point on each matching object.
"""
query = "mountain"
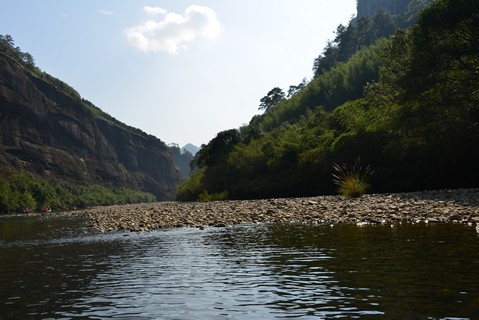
(48, 130)
(191, 148)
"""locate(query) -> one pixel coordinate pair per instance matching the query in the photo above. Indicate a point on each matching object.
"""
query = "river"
(59, 269)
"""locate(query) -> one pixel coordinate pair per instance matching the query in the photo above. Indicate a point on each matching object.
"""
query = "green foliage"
(360, 33)
(426, 102)
(60, 85)
(353, 117)
(217, 149)
(274, 96)
(352, 181)
(190, 189)
(344, 82)
(20, 190)
(7, 47)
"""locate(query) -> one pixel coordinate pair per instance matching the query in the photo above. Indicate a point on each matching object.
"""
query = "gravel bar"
(445, 206)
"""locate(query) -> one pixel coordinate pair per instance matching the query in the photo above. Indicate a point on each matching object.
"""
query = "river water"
(59, 269)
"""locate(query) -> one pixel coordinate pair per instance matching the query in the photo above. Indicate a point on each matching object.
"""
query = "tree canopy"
(274, 96)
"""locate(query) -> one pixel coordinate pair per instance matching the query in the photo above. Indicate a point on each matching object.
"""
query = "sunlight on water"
(59, 269)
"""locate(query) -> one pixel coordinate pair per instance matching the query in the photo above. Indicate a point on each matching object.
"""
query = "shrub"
(205, 196)
(190, 190)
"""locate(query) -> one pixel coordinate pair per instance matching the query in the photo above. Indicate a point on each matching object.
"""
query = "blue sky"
(179, 70)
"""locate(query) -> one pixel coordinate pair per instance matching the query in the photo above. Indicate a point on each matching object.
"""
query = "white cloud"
(154, 10)
(174, 30)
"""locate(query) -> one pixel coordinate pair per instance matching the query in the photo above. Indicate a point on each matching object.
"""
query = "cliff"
(50, 132)
(368, 8)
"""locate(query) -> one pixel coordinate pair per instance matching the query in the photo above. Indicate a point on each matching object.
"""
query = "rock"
(371, 209)
(455, 217)
(219, 225)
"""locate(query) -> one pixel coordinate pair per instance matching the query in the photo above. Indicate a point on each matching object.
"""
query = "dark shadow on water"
(403, 272)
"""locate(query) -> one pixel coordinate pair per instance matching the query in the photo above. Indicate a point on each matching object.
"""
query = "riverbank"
(460, 205)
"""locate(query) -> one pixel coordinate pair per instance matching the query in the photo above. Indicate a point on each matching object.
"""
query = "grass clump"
(352, 180)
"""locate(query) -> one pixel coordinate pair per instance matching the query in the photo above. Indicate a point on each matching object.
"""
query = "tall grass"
(352, 180)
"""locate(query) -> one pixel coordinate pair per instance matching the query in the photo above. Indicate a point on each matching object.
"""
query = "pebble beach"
(442, 206)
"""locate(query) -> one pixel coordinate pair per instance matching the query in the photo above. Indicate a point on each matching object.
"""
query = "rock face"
(368, 8)
(49, 132)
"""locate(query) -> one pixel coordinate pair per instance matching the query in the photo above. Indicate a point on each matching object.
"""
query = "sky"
(179, 70)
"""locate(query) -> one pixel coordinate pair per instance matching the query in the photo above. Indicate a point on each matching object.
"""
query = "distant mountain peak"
(190, 148)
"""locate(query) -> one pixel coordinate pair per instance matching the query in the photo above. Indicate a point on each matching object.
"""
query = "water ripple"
(249, 271)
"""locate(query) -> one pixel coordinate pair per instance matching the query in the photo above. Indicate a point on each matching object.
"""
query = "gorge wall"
(368, 8)
(48, 132)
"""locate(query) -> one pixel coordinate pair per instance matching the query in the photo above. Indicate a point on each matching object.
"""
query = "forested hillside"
(398, 105)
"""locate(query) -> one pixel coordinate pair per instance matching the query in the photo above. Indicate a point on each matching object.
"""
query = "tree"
(7, 46)
(445, 44)
(295, 89)
(216, 151)
(27, 58)
(340, 32)
(413, 10)
(274, 96)
(7, 41)
(382, 25)
(363, 32)
(432, 71)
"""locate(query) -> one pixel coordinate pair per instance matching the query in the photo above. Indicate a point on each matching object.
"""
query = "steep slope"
(50, 132)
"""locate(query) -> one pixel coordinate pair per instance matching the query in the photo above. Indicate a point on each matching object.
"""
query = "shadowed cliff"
(368, 8)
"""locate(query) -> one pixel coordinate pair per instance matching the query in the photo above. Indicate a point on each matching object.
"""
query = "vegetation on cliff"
(25, 59)
(407, 105)
(24, 192)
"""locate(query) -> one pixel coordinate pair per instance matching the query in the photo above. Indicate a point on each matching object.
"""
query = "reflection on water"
(58, 269)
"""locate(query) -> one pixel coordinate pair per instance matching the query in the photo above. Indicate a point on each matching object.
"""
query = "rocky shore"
(460, 206)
